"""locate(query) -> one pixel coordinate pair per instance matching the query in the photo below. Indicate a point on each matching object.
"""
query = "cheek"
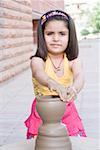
(65, 40)
(46, 39)
(65, 43)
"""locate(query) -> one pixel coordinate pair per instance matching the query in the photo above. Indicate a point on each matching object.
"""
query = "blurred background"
(18, 40)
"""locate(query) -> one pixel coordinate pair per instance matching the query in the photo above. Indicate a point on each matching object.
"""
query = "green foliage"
(85, 32)
(94, 31)
(94, 18)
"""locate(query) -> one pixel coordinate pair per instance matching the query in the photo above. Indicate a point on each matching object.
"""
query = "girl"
(57, 70)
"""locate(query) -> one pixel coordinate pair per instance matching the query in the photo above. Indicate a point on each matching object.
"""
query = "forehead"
(56, 24)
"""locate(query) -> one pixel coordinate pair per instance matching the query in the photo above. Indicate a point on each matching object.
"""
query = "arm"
(37, 67)
(78, 81)
(78, 74)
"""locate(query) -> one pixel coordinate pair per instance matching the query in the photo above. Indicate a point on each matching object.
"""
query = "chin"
(56, 50)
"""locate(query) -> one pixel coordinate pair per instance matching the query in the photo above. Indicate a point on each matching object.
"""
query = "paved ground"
(16, 97)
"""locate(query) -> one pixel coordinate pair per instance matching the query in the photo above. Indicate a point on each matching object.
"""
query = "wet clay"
(52, 134)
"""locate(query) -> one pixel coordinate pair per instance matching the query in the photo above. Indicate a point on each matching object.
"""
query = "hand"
(71, 93)
(67, 94)
(62, 92)
(58, 88)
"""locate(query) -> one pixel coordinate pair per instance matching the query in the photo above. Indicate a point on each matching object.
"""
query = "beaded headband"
(45, 17)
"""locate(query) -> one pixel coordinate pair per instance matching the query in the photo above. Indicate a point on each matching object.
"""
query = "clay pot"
(52, 133)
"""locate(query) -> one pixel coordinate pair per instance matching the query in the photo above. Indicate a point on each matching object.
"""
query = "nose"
(56, 37)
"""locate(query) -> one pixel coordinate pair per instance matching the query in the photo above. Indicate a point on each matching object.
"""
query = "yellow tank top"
(66, 79)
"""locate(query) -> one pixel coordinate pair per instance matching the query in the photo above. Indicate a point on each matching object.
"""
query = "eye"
(62, 33)
(49, 33)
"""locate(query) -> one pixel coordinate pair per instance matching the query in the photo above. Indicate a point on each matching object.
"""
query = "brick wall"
(16, 33)
(38, 9)
(16, 37)
(44, 5)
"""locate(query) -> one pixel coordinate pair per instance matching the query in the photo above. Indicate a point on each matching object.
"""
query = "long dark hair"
(72, 48)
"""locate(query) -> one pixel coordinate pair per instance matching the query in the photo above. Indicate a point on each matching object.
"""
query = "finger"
(63, 98)
(64, 95)
(52, 89)
(71, 99)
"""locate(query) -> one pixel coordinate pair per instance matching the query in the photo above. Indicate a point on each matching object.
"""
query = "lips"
(55, 44)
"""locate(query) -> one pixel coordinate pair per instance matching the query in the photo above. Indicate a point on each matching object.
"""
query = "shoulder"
(36, 61)
(36, 65)
(75, 62)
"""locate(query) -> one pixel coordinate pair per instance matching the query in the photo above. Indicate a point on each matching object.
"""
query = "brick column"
(16, 37)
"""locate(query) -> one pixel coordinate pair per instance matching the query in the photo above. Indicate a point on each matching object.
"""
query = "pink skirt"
(71, 119)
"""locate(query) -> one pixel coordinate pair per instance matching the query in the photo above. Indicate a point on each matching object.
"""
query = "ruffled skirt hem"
(71, 119)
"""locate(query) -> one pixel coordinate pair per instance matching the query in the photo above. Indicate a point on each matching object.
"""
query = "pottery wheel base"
(53, 143)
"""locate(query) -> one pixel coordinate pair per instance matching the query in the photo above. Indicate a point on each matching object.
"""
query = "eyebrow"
(57, 31)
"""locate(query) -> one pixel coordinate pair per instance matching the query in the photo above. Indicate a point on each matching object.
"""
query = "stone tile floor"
(16, 96)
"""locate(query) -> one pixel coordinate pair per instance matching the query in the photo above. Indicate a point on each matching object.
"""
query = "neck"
(57, 56)
(56, 61)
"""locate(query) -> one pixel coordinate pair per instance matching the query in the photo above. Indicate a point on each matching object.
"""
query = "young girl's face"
(56, 36)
